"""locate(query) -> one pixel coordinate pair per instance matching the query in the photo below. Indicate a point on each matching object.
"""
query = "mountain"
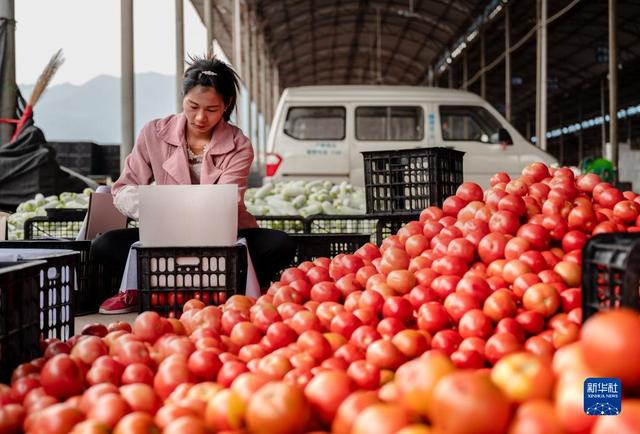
(91, 112)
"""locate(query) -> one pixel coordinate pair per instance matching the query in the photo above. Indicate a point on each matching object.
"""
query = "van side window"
(315, 123)
(471, 123)
(389, 123)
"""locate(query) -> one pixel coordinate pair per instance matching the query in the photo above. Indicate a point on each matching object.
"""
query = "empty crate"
(19, 323)
(289, 224)
(95, 283)
(410, 180)
(312, 246)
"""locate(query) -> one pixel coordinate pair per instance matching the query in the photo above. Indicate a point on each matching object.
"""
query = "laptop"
(102, 216)
(188, 215)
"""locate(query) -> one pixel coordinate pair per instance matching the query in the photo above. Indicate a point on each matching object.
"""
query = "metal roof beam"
(356, 35)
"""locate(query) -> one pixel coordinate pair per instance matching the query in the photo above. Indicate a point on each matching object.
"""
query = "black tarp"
(28, 165)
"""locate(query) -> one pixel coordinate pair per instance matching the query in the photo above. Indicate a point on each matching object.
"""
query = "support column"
(246, 66)
(276, 88)
(254, 85)
(237, 54)
(8, 80)
(465, 70)
(451, 76)
(603, 113)
(541, 74)
(580, 138)
(208, 23)
(127, 79)
(179, 52)
(507, 62)
(483, 63)
(263, 90)
(269, 89)
(613, 83)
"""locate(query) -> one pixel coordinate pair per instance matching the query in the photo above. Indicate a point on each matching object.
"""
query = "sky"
(88, 31)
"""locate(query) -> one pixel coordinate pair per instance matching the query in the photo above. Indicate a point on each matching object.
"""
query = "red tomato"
(582, 218)
(445, 285)
(401, 281)
(609, 197)
(365, 375)
(541, 298)
(474, 323)
(394, 259)
(500, 177)
(137, 373)
(457, 304)
(499, 345)
(11, 418)
(499, 305)
(504, 222)
(61, 377)
(510, 325)
(462, 248)
(56, 419)
(452, 205)
(433, 317)
(470, 191)
(450, 265)
(625, 349)
(535, 260)
(315, 344)
(326, 391)
(229, 371)
(537, 235)
(574, 240)
(384, 354)
(278, 408)
(318, 274)
(514, 204)
(446, 341)
(492, 247)
(399, 308)
(420, 295)
(515, 247)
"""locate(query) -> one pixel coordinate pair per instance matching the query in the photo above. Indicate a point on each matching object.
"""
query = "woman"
(197, 146)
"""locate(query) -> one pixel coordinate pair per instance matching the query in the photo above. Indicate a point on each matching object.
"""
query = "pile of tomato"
(466, 321)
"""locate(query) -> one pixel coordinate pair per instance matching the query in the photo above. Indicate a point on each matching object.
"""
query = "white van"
(320, 131)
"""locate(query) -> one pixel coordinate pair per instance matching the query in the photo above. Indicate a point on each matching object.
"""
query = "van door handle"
(450, 147)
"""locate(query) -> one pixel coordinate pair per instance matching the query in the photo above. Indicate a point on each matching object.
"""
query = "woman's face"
(203, 108)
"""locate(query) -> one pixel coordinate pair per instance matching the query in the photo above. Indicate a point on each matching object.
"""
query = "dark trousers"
(270, 250)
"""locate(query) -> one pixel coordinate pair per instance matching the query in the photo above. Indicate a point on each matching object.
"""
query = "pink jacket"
(160, 155)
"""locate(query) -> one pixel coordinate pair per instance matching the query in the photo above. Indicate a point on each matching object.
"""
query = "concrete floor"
(82, 321)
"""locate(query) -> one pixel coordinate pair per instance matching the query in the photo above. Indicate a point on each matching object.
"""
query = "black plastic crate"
(95, 283)
(19, 331)
(410, 180)
(53, 227)
(610, 273)
(289, 224)
(391, 224)
(56, 283)
(82, 157)
(170, 276)
(341, 224)
(312, 246)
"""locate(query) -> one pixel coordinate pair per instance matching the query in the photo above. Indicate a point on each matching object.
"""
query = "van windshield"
(468, 123)
(315, 123)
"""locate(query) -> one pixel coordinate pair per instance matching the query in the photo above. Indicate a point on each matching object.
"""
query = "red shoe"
(123, 302)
